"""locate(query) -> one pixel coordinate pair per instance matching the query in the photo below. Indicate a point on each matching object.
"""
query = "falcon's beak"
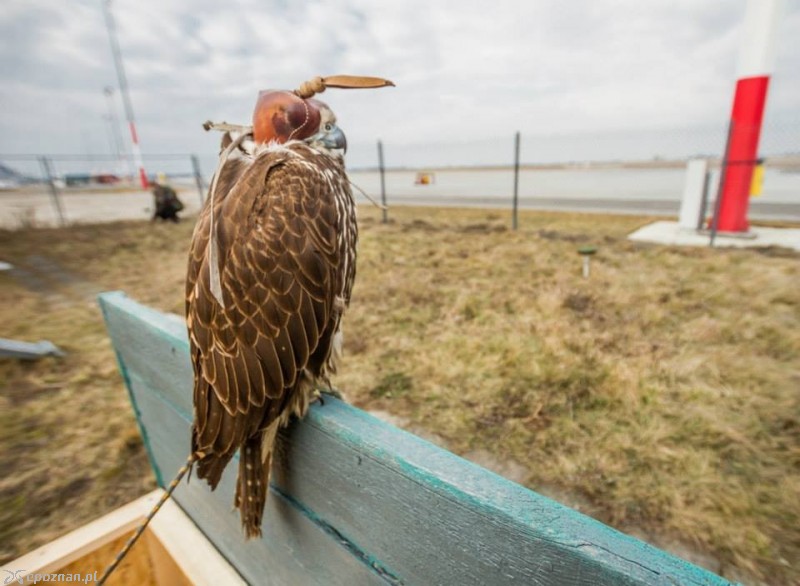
(335, 139)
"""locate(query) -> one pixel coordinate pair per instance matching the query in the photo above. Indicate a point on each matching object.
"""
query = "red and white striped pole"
(756, 62)
(137, 154)
(123, 88)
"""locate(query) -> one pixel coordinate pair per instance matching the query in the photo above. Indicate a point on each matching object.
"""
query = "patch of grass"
(392, 385)
(661, 393)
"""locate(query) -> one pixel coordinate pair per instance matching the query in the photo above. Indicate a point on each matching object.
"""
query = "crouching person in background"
(167, 204)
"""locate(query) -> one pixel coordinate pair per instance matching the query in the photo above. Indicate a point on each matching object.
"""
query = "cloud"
(469, 72)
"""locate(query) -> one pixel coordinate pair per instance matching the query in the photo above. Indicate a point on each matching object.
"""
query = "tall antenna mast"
(123, 88)
(116, 137)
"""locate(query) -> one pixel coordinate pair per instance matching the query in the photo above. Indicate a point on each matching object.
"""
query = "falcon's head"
(281, 116)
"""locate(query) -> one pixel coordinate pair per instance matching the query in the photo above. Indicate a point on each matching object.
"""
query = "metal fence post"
(54, 194)
(721, 187)
(383, 182)
(198, 178)
(514, 222)
(704, 200)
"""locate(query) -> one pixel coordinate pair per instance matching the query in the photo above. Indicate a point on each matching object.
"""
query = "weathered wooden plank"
(294, 546)
(183, 548)
(302, 548)
(370, 502)
(28, 350)
(65, 550)
(176, 543)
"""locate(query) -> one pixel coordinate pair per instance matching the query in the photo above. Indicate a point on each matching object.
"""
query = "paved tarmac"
(646, 207)
(654, 192)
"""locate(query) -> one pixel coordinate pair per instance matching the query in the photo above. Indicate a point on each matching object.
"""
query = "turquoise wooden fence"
(357, 501)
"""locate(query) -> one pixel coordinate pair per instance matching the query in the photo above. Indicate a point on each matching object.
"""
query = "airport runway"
(606, 190)
(621, 191)
(34, 207)
(646, 207)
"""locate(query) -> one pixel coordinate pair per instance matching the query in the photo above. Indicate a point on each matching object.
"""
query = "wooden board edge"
(109, 303)
(486, 493)
(66, 549)
(190, 549)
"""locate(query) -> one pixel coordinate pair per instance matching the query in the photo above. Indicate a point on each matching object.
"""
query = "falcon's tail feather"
(210, 468)
(252, 485)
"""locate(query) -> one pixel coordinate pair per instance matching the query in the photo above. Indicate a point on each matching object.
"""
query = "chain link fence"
(619, 171)
(639, 172)
(45, 190)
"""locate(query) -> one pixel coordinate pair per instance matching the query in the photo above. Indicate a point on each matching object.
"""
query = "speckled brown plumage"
(285, 223)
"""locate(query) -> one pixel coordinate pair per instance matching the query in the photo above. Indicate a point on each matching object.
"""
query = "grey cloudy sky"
(467, 73)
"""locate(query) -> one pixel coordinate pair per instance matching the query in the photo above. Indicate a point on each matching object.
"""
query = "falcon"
(271, 269)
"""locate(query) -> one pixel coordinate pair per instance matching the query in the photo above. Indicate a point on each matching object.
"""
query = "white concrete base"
(672, 233)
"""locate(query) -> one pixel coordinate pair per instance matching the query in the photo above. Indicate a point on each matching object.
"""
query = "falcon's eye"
(328, 127)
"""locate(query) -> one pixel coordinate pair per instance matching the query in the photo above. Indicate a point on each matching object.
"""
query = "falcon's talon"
(333, 392)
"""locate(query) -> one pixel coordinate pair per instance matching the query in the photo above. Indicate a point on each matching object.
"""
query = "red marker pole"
(137, 155)
(756, 63)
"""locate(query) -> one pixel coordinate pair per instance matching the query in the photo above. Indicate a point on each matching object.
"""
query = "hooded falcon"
(271, 268)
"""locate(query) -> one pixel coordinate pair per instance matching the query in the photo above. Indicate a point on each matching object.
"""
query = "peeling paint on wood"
(357, 501)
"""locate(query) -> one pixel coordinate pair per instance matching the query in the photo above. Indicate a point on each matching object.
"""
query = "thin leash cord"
(213, 265)
(214, 280)
(365, 194)
(140, 529)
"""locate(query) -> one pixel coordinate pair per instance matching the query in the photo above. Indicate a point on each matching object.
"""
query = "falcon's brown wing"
(281, 270)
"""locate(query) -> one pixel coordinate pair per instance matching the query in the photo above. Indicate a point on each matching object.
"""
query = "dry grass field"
(660, 395)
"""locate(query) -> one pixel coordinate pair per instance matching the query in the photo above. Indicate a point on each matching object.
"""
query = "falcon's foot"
(329, 390)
